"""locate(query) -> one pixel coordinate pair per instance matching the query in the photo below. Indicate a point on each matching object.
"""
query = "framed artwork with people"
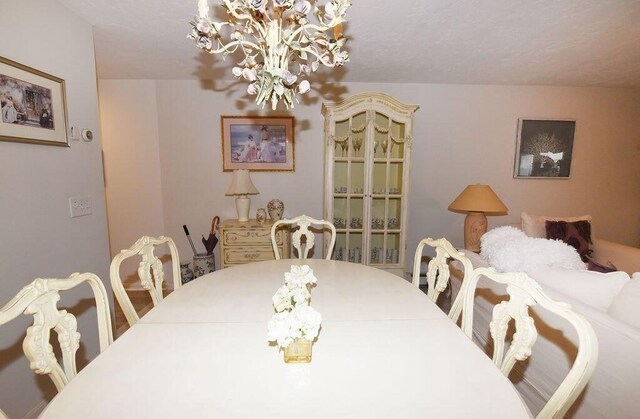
(33, 107)
(257, 143)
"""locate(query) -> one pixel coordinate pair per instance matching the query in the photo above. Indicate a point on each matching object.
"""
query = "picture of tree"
(544, 148)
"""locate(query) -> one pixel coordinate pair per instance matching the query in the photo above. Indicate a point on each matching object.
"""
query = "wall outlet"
(79, 206)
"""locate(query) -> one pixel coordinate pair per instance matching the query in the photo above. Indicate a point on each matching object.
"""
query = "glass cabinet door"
(386, 190)
(349, 187)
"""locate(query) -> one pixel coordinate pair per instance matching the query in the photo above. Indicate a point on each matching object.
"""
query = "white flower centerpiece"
(295, 323)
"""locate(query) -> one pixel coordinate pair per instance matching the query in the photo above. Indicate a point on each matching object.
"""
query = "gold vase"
(298, 352)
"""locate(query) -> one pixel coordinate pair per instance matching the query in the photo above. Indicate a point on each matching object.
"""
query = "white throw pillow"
(508, 249)
(595, 289)
(534, 225)
(626, 306)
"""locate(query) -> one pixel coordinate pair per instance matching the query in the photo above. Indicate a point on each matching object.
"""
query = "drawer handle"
(252, 255)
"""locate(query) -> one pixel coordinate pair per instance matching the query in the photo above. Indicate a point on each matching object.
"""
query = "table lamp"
(476, 201)
(241, 187)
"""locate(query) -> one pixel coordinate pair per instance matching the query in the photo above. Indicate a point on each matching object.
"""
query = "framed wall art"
(32, 104)
(257, 143)
(544, 148)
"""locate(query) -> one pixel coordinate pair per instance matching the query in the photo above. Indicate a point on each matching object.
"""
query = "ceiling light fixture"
(271, 36)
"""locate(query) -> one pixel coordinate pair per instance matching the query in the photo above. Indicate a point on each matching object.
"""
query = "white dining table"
(384, 351)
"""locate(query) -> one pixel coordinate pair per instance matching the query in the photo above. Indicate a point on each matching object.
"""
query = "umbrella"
(210, 243)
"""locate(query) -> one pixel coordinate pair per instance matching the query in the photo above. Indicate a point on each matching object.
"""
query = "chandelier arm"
(261, 29)
(311, 50)
(227, 47)
(232, 11)
(318, 28)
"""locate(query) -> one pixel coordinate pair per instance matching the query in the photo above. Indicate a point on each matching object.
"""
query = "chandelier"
(278, 42)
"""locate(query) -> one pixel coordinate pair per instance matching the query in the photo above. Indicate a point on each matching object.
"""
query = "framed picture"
(257, 143)
(33, 105)
(544, 149)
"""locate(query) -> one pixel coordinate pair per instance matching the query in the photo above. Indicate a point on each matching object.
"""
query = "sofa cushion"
(604, 268)
(576, 234)
(595, 289)
(626, 306)
(534, 225)
(508, 249)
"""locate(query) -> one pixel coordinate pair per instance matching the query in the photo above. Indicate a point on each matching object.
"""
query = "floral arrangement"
(294, 318)
(271, 34)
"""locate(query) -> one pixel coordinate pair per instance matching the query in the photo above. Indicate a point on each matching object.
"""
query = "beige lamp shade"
(478, 198)
(241, 186)
(476, 201)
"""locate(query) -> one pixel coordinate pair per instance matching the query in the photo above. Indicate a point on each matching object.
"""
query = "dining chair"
(39, 299)
(150, 272)
(303, 222)
(438, 271)
(523, 293)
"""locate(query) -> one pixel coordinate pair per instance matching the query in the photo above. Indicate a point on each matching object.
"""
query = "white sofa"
(611, 303)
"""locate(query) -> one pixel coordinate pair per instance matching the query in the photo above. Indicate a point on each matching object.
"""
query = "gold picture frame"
(33, 106)
(258, 143)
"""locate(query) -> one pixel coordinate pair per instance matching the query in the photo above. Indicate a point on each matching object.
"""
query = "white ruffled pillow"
(508, 249)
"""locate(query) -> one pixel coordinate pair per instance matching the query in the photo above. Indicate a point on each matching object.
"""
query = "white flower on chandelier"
(304, 86)
(271, 35)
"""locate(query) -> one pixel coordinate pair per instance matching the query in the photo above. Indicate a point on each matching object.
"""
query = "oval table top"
(345, 291)
(384, 351)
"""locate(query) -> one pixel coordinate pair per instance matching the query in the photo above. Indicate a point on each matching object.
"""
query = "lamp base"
(475, 225)
(243, 204)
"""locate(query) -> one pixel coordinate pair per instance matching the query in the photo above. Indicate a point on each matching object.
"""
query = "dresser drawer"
(241, 237)
(250, 254)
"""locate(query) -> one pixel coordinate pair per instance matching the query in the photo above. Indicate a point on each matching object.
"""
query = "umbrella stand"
(211, 242)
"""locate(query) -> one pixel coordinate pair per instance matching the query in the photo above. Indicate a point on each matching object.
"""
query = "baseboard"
(36, 410)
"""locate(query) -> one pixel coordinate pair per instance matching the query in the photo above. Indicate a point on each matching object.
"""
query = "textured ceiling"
(533, 42)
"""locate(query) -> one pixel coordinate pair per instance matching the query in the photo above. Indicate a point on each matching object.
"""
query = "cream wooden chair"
(40, 300)
(2, 415)
(303, 222)
(150, 272)
(523, 293)
(438, 272)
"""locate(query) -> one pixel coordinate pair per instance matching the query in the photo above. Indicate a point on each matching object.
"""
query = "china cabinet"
(367, 161)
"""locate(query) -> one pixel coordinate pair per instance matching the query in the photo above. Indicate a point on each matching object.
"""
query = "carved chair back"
(303, 222)
(40, 300)
(523, 293)
(438, 272)
(150, 272)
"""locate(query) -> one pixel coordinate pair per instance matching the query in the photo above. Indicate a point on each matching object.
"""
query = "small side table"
(250, 241)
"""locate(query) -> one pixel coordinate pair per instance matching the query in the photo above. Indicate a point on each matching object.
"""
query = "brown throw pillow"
(576, 234)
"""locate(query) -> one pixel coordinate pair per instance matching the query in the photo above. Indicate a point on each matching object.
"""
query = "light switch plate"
(79, 206)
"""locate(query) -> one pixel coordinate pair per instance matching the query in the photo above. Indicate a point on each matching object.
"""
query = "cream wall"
(132, 161)
(463, 134)
(37, 236)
